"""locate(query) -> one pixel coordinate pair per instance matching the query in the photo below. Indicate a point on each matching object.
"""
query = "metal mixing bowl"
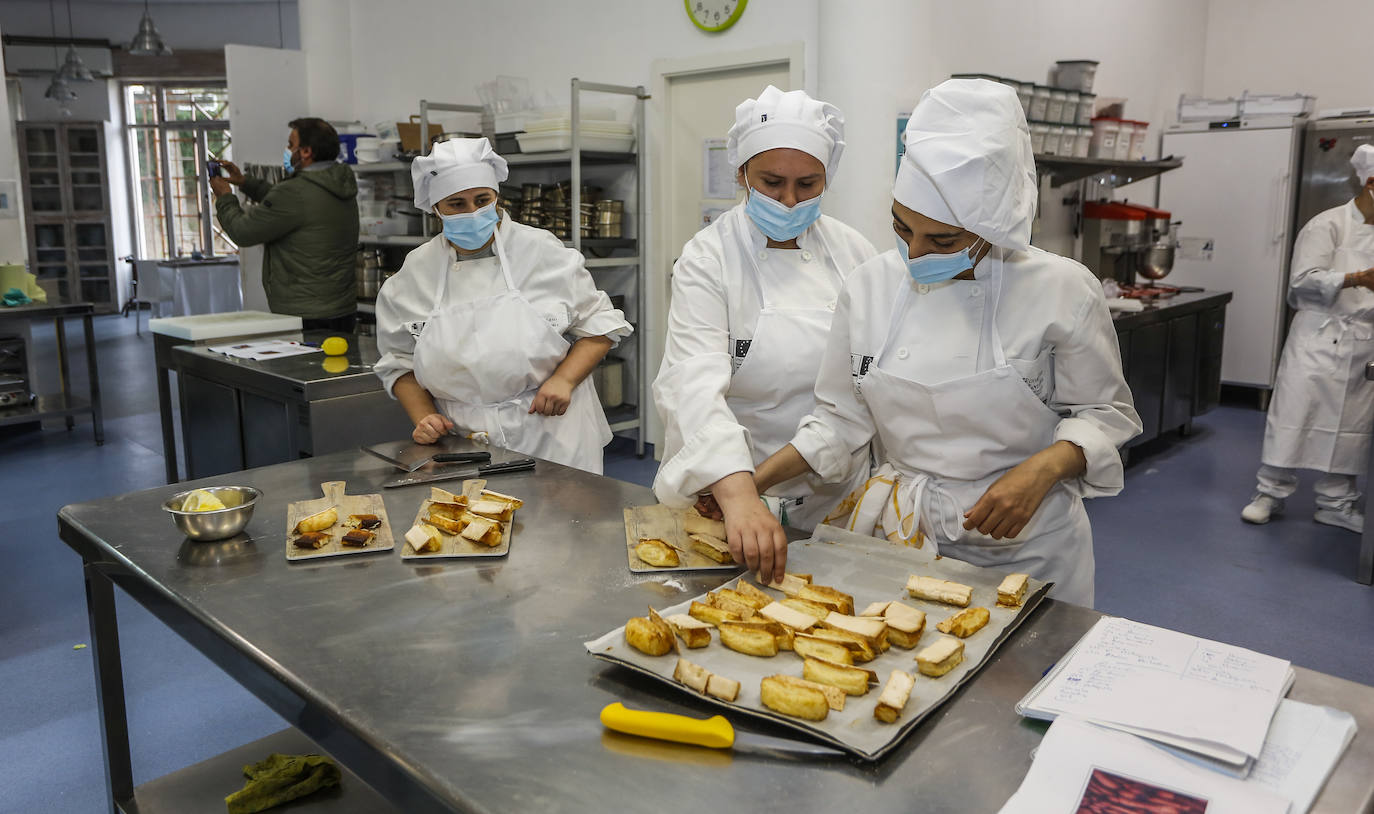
(218, 524)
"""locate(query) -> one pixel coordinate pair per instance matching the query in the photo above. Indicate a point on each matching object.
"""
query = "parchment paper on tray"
(664, 523)
(453, 545)
(871, 570)
(344, 505)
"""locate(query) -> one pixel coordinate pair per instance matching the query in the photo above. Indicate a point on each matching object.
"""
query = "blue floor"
(1171, 551)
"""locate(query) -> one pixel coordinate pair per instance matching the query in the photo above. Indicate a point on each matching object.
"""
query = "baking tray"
(664, 523)
(456, 546)
(871, 570)
(346, 504)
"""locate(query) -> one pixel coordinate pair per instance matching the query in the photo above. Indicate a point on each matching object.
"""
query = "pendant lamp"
(147, 42)
(73, 69)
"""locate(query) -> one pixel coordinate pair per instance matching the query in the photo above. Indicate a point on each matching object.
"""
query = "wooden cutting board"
(454, 545)
(345, 505)
(664, 523)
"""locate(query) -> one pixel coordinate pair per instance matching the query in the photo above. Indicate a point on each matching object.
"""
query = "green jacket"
(308, 225)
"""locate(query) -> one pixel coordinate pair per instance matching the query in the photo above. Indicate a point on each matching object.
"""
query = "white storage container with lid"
(1139, 132)
(1025, 91)
(1273, 104)
(1039, 132)
(1053, 134)
(1122, 150)
(1040, 102)
(1054, 110)
(1068, 139)
(1103, 142)
(1087, 104)
(1070, 114)
(1198, 109)
(1075, 74)
(1083, 141)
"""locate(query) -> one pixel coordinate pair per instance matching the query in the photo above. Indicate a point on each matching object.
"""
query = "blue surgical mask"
(471, 230)
(286, 160)
(781, 222)
(936, 268)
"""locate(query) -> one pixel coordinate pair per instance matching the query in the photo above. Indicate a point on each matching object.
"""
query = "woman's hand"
(755, 536)
(553, 397)
(1010, 502)
(430, 429)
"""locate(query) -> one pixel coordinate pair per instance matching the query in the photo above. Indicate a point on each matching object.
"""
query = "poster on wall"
(901, 147)
(717, 176)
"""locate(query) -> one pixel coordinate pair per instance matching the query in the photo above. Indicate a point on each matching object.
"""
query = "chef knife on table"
(409, 456)
(714, 732)
(434, 474)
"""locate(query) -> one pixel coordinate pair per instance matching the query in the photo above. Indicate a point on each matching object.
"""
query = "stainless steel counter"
(463, 686)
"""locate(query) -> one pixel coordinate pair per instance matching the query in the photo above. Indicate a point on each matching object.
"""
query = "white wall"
(1318, 47)
(184, 24)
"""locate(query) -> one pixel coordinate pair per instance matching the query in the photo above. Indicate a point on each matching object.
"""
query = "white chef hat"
(1363, 162)
(453, 166)
(786, 119)
(968, 161)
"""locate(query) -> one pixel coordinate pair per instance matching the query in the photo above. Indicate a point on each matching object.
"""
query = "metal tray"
(665, 524)
(455, 546)
(871, 570)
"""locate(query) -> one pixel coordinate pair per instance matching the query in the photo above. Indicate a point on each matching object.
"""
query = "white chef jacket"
(1056, 332)
(1323, 409)
(715, 298)
(550, 275)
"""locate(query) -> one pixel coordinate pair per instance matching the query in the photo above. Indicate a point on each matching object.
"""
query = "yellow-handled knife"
(714, 732)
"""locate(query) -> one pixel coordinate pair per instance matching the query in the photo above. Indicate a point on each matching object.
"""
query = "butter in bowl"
(212, 513)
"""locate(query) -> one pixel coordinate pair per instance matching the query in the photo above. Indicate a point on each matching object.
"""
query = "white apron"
(1322, 411)
(484, 360)
(773, 388)
(947, 443)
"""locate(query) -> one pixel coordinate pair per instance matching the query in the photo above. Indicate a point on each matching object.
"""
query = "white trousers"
(1333, 491)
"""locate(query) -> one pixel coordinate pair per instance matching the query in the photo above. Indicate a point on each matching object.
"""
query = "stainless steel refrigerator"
(1326, 178)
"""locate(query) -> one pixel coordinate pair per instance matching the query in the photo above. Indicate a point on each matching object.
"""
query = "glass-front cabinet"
(67, 209)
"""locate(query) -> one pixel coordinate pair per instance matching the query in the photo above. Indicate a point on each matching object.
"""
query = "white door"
(1235, 190)
(695, 102)
(266, 91)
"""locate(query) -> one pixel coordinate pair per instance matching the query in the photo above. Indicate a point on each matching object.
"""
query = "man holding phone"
(306, 223)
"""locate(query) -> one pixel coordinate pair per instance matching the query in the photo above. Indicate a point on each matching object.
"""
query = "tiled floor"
(1171, 551)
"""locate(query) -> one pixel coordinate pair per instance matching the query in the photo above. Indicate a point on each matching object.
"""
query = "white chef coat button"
(806, 256)
(923, 288)
(763, 255)
(831, 304)
(975, 290)
(901, 353)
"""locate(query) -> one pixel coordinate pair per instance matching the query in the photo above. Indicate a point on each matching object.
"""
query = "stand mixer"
(1121, 240)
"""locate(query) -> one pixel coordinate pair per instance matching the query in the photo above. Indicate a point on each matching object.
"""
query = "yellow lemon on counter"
(201, 501)
(334, 346)
(335, 364)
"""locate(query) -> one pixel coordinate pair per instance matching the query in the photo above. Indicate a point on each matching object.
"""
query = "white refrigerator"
(1234, 195)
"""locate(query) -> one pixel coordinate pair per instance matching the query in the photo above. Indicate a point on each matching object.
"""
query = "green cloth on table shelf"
(280, 779)
(16, 297)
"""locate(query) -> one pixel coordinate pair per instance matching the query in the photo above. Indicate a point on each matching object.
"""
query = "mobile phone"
(212, 169)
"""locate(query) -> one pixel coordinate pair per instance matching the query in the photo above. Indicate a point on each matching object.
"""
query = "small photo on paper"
(1110, 793)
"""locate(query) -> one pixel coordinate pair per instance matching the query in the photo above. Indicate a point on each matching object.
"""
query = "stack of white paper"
(1193, 694)
(264, 349)
(1083, 768)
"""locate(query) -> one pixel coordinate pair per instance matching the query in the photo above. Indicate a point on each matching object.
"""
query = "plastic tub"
(1054, 109)
(1122, 150)
(1053, 133)
(1025, 91)
(1076, 74)
(1139, 132)
(1070, 115)
(1083, 141)
(1040, 102)
(1087, 104)
(1039, 133)
(1103, 141)
(1068, 139)
(1198, 109)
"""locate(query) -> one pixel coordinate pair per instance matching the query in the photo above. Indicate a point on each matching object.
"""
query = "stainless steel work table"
(464, 686)
(64, 404)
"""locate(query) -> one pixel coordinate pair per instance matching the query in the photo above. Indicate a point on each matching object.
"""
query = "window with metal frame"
(174, 129)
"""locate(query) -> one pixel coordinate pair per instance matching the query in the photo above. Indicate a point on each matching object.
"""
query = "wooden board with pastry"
(337, 524)
(859, 641)
(659, 538)
(475, 522)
